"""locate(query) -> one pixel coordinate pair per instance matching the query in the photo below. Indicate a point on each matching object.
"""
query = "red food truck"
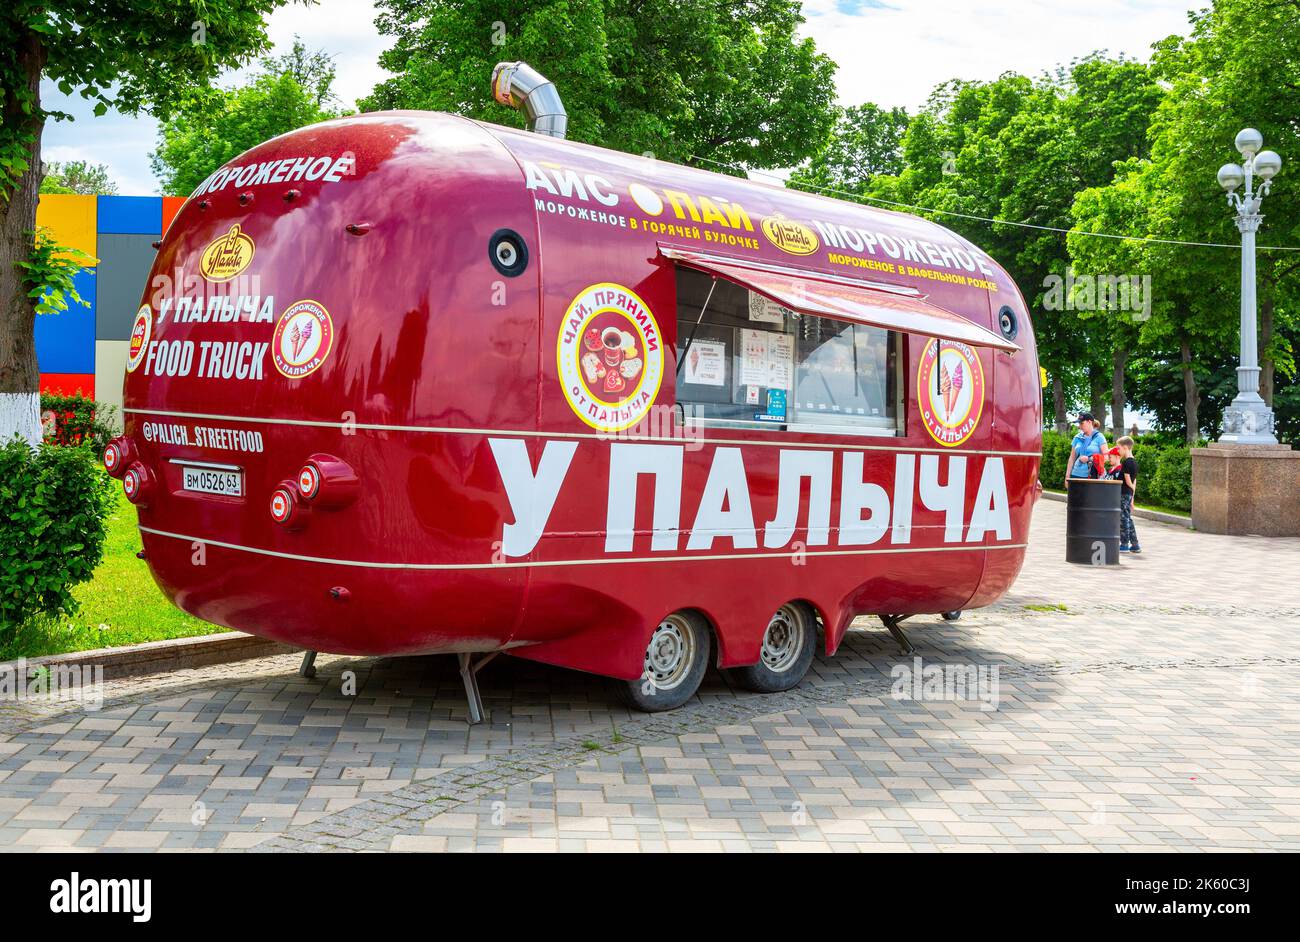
(407, 383)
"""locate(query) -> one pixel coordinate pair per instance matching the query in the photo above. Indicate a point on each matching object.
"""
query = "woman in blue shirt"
(1089, 442)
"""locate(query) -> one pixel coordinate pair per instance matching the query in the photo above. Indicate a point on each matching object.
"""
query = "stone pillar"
(1246, 489)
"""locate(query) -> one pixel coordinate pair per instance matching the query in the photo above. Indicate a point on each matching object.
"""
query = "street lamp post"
(1249, 420)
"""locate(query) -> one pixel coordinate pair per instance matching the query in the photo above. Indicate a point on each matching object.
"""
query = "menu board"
(766, 359)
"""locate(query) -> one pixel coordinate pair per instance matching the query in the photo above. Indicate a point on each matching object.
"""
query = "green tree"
(696, 81)
(314, 71)
(866, 142)
(213, 125)
(131, 55)
(77, 176)
(1236, 69)
(1185, 315)
(1019, 149)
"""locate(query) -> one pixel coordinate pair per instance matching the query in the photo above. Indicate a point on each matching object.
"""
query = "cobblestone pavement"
(1151, 707)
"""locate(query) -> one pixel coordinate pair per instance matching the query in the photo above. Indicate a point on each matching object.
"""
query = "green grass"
(1051, 607)
(119, 605)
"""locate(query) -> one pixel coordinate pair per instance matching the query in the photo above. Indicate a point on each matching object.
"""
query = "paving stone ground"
(1151, 707)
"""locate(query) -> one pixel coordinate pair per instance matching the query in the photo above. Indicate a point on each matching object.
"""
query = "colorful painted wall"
(84, 348)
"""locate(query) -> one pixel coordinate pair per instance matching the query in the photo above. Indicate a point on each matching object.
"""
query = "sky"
(891, 52)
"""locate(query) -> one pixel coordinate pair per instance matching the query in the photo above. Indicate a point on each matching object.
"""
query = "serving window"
(744, 360)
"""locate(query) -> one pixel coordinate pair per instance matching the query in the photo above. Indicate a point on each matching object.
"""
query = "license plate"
(208, 481)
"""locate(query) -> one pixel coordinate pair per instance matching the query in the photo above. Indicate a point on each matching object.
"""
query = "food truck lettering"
(868, 510)
(570, 189)
(923, 252)
(207, 359)
(562, 182)
(227, 255)
(304, 336)
(610, 357)
(283, 170)
(218, 309)
(141, 329)
(950, 391)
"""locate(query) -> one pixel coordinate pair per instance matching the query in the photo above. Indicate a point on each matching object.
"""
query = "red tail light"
(118, 455)
(327, 482)
(287, 508)
(137, 483)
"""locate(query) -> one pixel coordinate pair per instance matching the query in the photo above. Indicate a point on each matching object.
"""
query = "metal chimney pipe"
(522, 87)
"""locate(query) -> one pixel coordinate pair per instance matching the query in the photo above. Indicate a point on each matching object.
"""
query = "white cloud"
(892, 52)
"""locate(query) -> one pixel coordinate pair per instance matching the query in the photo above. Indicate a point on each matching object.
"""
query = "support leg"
(893, 623)
(469, 676)
(308, 667)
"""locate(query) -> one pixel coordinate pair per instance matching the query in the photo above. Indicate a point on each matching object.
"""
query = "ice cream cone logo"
(950, 391)
(304, 337)
(610, 357)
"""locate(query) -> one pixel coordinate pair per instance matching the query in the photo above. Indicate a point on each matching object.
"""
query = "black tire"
(951, 616)
(675, 662)
(789, 644)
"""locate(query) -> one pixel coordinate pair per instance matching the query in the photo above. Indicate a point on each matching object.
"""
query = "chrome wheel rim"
(783, 640)
(670, 654)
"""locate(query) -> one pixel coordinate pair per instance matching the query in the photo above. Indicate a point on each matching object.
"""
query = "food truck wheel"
(789, 644)
(675, 661)
(951, 616)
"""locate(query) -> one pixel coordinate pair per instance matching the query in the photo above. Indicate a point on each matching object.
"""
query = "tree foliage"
(213, 125)
(1019, 149)
(710, 81)
(131, 55)
(78, 176)
(866, 142)
(1237, 68)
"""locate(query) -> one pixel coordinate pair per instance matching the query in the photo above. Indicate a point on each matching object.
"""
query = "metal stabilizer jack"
(308, 667)
(893, 623)
(469, 676)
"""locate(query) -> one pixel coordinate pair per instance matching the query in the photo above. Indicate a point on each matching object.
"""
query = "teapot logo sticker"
(304, 336)
(610, 356)
(227, 255)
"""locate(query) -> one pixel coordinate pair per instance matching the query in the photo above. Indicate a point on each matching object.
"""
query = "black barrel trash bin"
(1092, 522)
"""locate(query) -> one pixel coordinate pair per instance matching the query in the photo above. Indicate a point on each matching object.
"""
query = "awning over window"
(889, 306)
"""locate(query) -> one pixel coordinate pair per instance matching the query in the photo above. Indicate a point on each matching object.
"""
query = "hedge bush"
(1164, 471)
(1172, 484)
(54, 503)
(78, 420)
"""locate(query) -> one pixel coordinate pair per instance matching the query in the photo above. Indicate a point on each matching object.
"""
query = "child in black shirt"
(1128, 473)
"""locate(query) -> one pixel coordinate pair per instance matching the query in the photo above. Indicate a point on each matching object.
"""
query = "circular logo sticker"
(304, 336)
(227, 255)
(611, 357)
(793, 238)
(141, 329)
(950, 391)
